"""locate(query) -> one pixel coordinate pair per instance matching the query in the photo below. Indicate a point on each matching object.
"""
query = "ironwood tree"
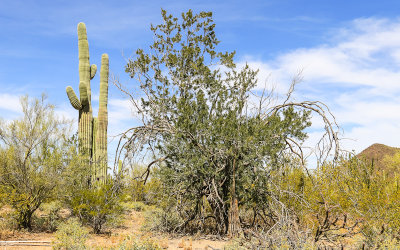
(215, 136)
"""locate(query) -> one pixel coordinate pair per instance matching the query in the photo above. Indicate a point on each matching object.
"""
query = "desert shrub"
(352, 202)
(136, 189)
(161, 220)
(235, 244)
(302, 210)
(132, 243)
(152, 190)
(49, 207)
(33, 154)
(276, 240)
(71, 235)
(8, 223)
(95, 206)
(383, 241)
(134, 205)
(49, 217)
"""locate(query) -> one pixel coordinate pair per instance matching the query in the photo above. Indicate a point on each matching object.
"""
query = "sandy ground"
(131, 228)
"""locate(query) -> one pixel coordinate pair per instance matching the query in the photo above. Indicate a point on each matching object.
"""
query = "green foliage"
(71, 235)
(161, 220)
(50, 217)
(350, 203)
(215, 142)
(374, 197)
(367, 195)
(94, 206)
(32, 158)
(134, 205)
(137, 190)
(92, 131)
(7, 223)
(222, 161)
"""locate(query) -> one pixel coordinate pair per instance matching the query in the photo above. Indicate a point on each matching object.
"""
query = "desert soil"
(131, 227)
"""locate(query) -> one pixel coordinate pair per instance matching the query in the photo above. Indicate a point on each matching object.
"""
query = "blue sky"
(348, 51)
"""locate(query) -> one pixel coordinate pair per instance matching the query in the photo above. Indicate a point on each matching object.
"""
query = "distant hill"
(376, 152)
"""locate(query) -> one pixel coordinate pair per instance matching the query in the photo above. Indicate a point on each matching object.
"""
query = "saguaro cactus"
(102, 121)
(92, 132)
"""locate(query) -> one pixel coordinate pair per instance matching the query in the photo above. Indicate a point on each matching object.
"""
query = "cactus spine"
(92, 132)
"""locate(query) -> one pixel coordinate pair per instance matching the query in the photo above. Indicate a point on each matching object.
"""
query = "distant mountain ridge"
(376, 152)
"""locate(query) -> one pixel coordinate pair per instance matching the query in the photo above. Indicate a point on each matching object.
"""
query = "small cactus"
(92, 132)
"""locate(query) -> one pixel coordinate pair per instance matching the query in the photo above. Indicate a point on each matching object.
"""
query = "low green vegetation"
(95, 206)
(71, 235)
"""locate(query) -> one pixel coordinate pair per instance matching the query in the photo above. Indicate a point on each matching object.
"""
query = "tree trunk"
(25, 220)
(234, 222)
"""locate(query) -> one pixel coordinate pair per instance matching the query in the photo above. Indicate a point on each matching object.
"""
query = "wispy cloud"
(357, 74)
(10, 103)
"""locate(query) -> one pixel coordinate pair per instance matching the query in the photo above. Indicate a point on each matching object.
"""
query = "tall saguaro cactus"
(102, 121)
(92, 132)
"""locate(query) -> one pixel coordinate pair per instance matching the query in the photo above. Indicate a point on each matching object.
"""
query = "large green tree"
(33, 155)
(202, 117)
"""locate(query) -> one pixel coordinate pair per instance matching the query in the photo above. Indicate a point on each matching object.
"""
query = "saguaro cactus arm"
(93, 70)
(73, 99)
(84, 94)
(86, 72)
(84, 65)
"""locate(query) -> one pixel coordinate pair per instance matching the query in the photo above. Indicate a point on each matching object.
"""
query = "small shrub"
(387, 241)
(161, 220)
(71, 235)
(137, 206)
(139, 244)
(115, 221)
(7, 225)
(281, 236)
(235, 245)
(136, 190)
(96, 207)
(50, 217)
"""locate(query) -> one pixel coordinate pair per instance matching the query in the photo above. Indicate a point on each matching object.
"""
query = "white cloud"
(357, 74)
(121, 116)
(9, 102)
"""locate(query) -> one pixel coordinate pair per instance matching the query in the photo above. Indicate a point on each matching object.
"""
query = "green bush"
(96, 206)
(33, 155)
(136, 190)
(137, 206)
(71, 235)
(50, 217)
(161, 220)
(8, 224)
